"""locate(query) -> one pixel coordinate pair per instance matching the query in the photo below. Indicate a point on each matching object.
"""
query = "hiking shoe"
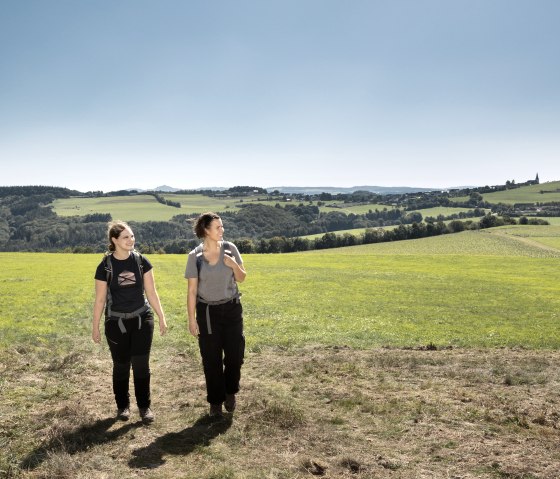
(215, 410)
(123, 413)
(146, 415)
(229, 403)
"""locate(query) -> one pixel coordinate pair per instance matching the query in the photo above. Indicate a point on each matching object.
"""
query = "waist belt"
(116, 315)
(214, 303)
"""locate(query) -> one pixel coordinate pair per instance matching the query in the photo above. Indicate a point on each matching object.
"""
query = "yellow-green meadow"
(476, 288)
(384, 360)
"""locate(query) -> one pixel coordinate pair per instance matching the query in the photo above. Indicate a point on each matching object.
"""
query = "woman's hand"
(238, 270)
(193, 328)
(229, 261)
(96, 335)
(162, 326)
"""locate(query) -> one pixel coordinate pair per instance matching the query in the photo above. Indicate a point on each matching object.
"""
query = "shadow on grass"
(77, 441)
(200, 434)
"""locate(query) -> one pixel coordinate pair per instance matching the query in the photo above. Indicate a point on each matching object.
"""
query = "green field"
(353, 231)
(553, 220)
(146, 208)
(418, 350)
(349, 208)
(442, 210)
(523, 194)
(142, 207)
(470, 289)
(126, 208)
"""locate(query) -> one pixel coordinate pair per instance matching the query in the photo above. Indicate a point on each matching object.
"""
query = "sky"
(115, 94)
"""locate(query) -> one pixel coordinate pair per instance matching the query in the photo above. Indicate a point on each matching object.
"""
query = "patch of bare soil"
(314, 412)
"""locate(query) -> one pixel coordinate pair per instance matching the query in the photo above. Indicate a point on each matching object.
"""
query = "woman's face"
(215, 230)
(125, 240)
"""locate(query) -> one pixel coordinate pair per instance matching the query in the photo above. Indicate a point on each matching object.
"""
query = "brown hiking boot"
(146, 415)
(215, 410)
(229, 403)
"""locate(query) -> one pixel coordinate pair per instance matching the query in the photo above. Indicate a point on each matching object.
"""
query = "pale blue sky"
(110, 94)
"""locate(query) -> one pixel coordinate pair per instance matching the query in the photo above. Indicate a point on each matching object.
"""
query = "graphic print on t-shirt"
(127, 278)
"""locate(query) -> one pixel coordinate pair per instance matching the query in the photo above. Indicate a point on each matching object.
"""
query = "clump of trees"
(160, 199)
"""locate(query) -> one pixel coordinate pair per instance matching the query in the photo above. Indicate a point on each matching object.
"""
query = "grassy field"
(126, 208)
(524, 194)
(142, 207)
(146, 208)
(353, 231)
(441, 210)
(552, 220)
(415, 359)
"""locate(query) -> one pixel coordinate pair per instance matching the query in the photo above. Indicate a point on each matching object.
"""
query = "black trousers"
(223, 349)
(131, 349)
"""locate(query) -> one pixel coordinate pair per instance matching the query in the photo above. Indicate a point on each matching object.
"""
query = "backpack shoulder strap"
(138, 257)
(199, 251)
(108, 268)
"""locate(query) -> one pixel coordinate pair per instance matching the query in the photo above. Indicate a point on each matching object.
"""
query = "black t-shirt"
(126, 288)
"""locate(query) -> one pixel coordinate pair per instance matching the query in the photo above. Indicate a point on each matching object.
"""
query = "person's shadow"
(79, 440)
(183, 442)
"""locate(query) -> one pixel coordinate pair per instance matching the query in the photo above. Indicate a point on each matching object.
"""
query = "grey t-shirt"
(215, 282)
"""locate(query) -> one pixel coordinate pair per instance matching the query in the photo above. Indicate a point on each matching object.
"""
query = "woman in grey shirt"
(214, 310)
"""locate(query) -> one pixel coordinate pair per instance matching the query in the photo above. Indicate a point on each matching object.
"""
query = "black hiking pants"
(131, 349)
(222, 349)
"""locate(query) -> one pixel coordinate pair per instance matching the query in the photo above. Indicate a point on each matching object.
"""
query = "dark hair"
(203, 222)
(114, 230)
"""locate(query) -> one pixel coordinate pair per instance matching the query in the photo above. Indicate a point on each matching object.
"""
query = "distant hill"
(171, 189)
(382, 190)
(307, 190)
(166, 189)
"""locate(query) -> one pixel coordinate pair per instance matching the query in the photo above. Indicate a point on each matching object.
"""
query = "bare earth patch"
(313, 412)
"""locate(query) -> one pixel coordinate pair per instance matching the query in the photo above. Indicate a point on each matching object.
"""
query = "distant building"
(536, 181)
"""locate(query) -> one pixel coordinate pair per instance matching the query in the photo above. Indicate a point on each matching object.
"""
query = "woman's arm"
(238, 270)
(98, 307)
(153, 299)
(192, 291)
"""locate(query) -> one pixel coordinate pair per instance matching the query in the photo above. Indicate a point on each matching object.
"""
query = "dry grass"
(314, 412)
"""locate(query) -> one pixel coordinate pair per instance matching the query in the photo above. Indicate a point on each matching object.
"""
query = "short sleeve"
(236, 253)
(191, 270)
(146, 265)
(100, 272)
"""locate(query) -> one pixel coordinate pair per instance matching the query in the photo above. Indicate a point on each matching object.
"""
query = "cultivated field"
(543, 193)
(146, 208)
(418, 359)
(142, 207)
